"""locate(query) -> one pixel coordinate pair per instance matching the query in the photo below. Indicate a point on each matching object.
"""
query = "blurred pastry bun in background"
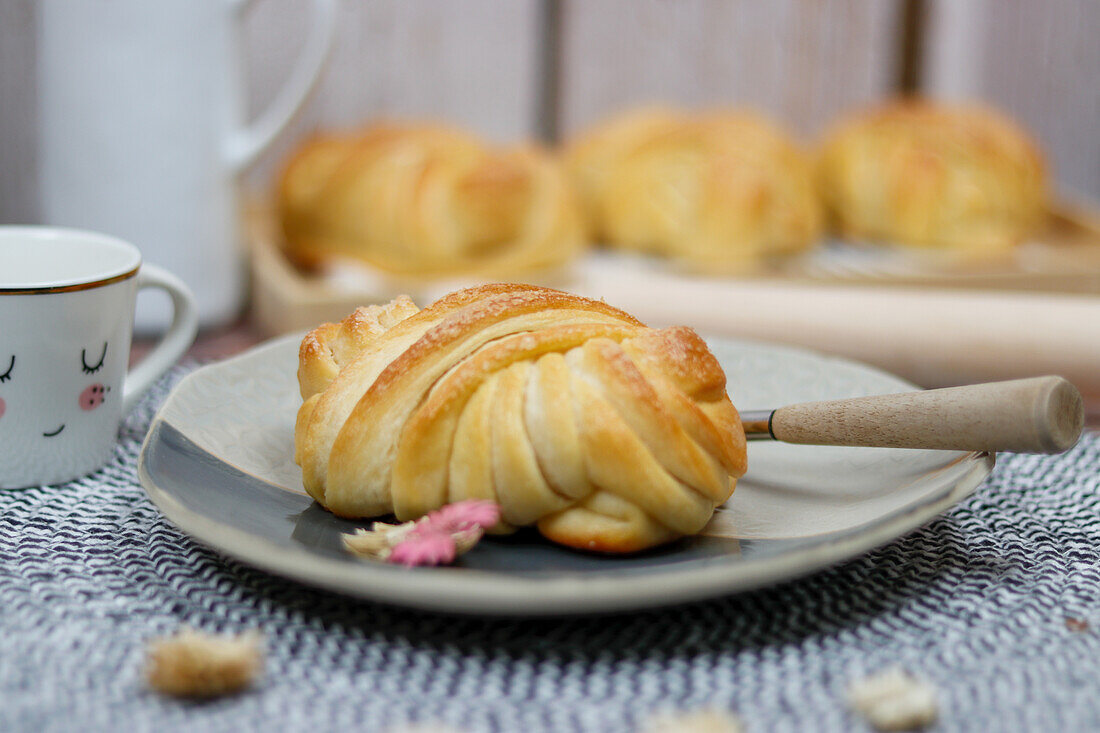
(721, 189)
(421, 199)
(926, 174)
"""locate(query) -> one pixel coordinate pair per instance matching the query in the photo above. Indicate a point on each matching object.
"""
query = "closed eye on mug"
(92, 369)
(7, 374)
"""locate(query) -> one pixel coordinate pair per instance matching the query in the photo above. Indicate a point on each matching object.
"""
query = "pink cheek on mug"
(2, 407)
(92, 396)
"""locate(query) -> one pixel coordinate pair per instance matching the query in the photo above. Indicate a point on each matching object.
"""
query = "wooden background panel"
(474, 63)
(18, 114)
(479, 63)
(803, 61)
(1038, 61)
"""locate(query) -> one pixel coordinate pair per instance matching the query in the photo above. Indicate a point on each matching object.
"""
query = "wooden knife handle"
(1039, 415)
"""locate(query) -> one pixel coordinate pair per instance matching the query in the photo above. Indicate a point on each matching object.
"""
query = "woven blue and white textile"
(977, 603)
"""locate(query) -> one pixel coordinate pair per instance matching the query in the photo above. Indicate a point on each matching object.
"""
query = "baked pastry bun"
(571, 415)
(427, 200)
(719, 189)
(925, 174)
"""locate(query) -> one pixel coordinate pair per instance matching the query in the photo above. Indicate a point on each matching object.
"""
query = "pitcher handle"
(245, 144)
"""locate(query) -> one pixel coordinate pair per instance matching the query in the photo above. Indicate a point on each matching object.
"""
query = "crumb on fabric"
(1079, 625)
(894, 700)
(197, 664)
(700, 721)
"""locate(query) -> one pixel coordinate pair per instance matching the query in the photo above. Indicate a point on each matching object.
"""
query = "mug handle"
(176, 340)
(246, 143)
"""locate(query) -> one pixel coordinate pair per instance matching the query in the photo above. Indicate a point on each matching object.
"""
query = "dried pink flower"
(464, 515)
(436, 538)
(423, 548)
(465, 540)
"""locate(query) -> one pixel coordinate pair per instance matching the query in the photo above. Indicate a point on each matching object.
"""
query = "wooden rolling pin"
(1038, 415)
(935, 338)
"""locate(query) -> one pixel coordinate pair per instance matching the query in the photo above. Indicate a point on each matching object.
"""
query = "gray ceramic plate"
(218, 463)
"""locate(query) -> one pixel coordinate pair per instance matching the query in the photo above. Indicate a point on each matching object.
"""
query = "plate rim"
(483, 593)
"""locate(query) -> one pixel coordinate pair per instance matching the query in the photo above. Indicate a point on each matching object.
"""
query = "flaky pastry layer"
(426, 200)
(720, 189)
(914, 172)
(570, 414)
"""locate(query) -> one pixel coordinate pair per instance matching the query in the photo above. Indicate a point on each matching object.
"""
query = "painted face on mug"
(66, 316)
(6, 377)
(54, 401)
(92, 396)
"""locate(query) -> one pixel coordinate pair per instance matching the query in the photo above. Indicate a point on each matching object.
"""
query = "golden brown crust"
(927, 174)
(569, 413)
(716, 189)
(331, 345)
(338, 399)
(425, 200)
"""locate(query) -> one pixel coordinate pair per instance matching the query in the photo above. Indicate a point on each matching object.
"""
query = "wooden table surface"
(226, 341)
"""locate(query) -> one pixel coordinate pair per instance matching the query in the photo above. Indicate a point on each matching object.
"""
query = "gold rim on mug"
(41, 290)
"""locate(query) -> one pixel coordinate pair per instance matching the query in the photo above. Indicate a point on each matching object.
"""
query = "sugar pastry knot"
(960, 178)
(570, 414)
(721, 189)
(427, 200)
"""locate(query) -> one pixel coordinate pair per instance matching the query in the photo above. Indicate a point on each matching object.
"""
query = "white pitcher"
(143, 133)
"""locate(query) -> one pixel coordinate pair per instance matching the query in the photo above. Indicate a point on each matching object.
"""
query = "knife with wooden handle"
(1038, 415)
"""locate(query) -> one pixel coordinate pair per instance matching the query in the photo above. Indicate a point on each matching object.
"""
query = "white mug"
(66, 317)
(142, 131)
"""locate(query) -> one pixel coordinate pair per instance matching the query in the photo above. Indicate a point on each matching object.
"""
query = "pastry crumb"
(376, 542)
(196, 664)
(894, 700)
(701, 721)
(1079, 625)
